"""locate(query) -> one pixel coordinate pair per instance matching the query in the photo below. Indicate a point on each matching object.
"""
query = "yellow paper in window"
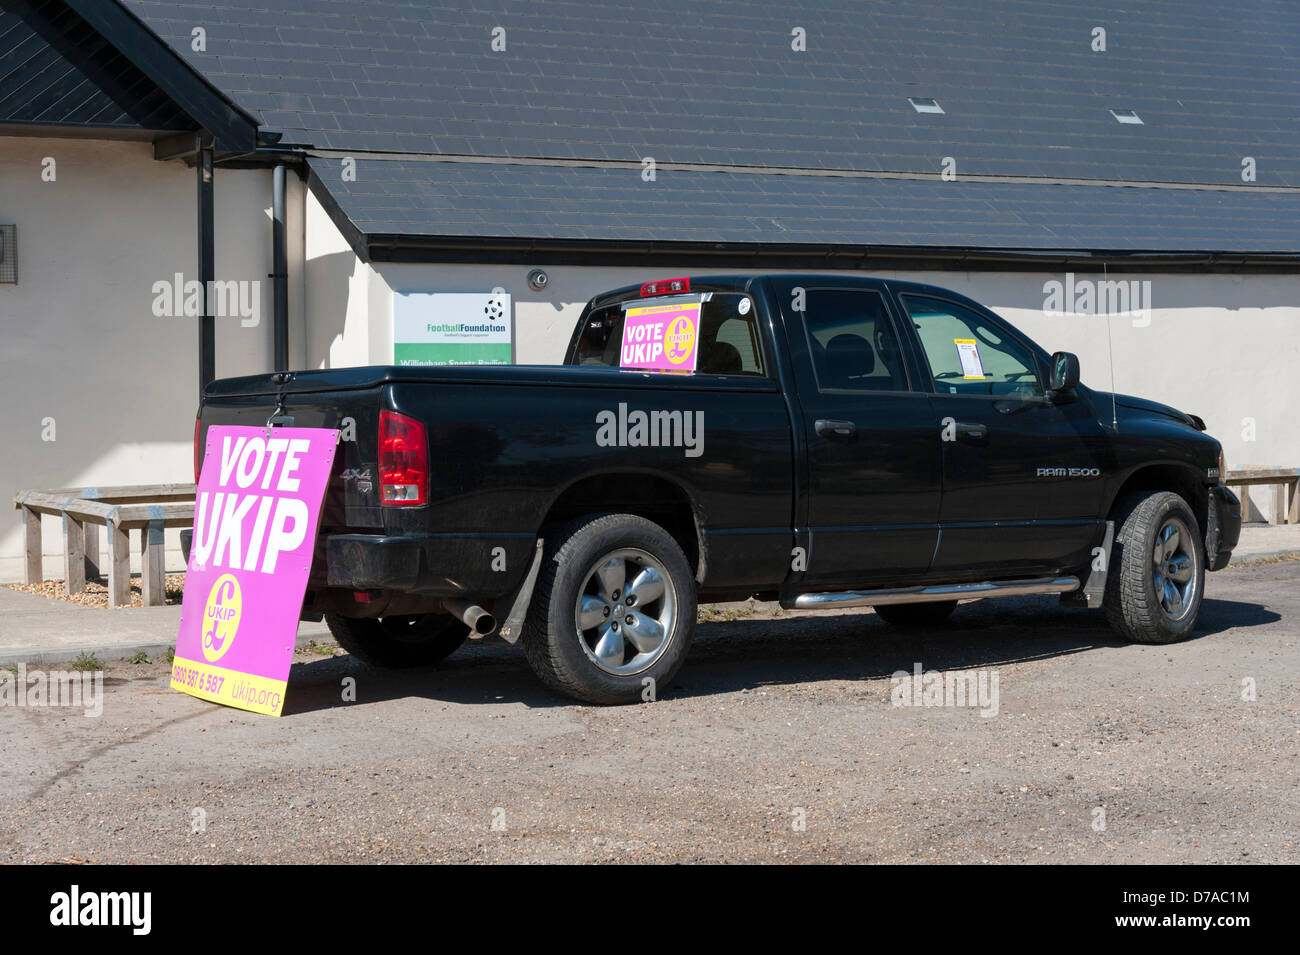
(969, 354)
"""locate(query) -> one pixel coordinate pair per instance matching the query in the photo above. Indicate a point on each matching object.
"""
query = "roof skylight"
(925, 105)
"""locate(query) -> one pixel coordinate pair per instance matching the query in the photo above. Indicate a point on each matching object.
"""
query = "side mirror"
(1065, 372)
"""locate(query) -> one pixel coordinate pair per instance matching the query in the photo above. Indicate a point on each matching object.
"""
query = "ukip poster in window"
(256, 514)
(661, 337)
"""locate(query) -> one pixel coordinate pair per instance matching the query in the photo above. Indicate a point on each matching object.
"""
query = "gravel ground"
(96, 592)
(774, 720)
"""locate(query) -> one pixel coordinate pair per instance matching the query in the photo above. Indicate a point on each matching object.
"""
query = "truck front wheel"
(1157, 569)
(398, 642)
(613, 612)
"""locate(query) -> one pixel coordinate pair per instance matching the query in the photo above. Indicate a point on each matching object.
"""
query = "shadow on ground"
(759, 651)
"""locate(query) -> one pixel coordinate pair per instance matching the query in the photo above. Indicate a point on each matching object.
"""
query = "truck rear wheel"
(401, 641)
(916, 615)
(613, 613)
(1157, 569)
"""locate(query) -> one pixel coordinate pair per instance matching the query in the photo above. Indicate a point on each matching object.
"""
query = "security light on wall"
(1128, 117)
(8, 254)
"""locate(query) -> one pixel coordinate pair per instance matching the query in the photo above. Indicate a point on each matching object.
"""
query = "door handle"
(972, 431)
(830, 426)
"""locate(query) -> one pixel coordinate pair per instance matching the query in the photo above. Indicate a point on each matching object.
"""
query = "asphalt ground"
(779, 741)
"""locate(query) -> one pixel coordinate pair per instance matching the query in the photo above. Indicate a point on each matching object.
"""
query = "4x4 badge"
(361, 476)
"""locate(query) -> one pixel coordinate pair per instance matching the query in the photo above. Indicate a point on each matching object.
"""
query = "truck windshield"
(712, 334)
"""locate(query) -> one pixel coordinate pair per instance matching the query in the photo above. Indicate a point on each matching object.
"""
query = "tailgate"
(352, 499)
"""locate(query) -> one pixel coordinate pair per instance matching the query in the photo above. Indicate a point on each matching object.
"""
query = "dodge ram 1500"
(825, 441)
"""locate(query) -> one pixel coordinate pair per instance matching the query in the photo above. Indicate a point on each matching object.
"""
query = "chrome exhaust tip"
(480, 622)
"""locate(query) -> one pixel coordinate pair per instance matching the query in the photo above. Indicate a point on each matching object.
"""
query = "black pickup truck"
(834, 441)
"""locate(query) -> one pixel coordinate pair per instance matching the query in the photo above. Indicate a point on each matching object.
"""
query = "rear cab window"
(707, 333)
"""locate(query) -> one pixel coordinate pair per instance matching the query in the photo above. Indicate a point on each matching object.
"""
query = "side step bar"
(916, 595)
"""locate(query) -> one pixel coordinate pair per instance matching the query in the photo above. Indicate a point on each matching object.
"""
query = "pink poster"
(255, 519)
(661, 337)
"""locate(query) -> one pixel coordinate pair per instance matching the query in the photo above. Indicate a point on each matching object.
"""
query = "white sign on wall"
(453, 328)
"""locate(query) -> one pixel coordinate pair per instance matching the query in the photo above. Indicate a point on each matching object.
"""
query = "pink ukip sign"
(661, 337)
(255, 520)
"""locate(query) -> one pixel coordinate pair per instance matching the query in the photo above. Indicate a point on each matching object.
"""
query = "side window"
(852, 341)
(968, 355)
(729, 337)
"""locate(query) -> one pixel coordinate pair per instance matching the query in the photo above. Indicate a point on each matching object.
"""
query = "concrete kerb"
(36, 630)
(124, 651)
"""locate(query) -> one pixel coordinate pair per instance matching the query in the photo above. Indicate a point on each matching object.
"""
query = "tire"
(907, 616)
(398, 642)
(602, 663)
(1142, 583)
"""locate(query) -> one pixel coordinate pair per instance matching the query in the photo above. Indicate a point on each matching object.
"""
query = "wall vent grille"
(8, 255)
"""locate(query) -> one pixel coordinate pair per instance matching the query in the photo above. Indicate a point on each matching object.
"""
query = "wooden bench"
(1286, 483)
(147, 508)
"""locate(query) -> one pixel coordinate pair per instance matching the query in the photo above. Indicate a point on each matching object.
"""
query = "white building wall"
(83, 348)
(348, 323)
(1224, 347)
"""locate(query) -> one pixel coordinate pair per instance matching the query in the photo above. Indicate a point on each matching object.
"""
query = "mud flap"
(1093, 591)
(515, 605)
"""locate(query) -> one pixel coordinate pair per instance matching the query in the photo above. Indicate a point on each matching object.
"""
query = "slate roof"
(1024, 93)
(482, 200)
(56, 70)
(1026, 102)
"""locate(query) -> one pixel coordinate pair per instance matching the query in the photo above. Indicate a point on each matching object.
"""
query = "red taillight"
(403, 461)
(665, 287)
(198, 453)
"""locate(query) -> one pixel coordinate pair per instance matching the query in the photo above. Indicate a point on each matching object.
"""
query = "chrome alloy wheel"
(1174, 569)
(625, 612)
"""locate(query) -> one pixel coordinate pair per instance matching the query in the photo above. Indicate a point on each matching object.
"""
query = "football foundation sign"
(452, 328)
